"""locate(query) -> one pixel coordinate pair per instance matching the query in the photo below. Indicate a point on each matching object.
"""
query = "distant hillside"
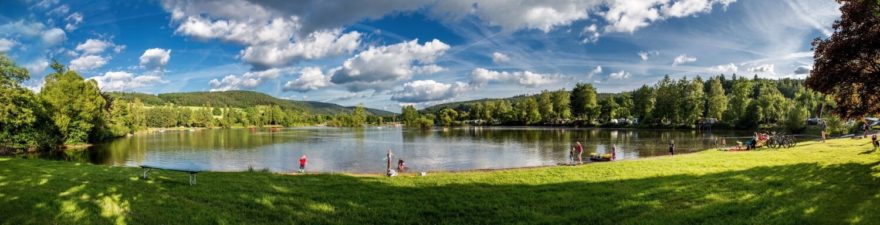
(239, 99)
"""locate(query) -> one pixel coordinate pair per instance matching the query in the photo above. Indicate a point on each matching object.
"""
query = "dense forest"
(721, 102)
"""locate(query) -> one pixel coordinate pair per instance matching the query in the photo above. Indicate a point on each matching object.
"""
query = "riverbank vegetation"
(738, 102)
(814, 183)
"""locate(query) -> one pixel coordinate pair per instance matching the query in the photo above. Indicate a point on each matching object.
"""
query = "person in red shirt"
(579, 149)
(302, 164)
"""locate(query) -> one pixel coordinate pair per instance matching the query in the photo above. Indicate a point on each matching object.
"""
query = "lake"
(363, 150)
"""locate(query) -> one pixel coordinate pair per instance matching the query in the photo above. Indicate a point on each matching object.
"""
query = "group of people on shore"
(401, 165)
(576, 154)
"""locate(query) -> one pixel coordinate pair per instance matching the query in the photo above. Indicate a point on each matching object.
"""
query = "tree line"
(739, 103)
(70, 110)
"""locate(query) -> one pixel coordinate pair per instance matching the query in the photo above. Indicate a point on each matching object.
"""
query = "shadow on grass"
(792, 194)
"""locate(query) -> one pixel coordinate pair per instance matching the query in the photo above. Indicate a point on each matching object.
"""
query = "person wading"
(579, 149)
(671, 147)
(302, 163)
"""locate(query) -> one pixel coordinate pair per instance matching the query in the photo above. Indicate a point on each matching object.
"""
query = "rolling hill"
(240, 99)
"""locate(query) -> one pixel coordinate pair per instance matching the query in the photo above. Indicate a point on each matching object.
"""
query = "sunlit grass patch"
(814, 183)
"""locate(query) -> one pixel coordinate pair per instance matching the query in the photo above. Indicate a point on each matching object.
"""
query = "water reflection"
(362, 150)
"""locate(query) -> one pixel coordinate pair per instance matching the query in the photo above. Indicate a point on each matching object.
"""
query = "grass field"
(837, 182)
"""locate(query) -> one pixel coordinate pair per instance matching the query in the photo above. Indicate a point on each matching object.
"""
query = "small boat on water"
(596, 157)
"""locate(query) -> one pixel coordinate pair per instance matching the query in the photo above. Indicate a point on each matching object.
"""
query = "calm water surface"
(363, 150)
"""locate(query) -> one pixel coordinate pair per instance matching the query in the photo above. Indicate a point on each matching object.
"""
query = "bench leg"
(146, 173)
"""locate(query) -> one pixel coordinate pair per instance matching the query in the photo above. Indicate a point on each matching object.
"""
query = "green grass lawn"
(837, 182)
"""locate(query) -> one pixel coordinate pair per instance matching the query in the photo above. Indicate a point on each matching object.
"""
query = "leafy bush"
(796, 118)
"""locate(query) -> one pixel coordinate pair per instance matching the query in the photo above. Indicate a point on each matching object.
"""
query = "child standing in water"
(302, 163)
(671, 147)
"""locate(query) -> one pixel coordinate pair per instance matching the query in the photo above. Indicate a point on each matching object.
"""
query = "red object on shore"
(302, 161)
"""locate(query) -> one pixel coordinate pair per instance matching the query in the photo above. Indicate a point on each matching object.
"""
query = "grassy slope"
(816, 183)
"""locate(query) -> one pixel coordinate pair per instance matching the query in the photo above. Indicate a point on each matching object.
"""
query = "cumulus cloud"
(645, 55)
(271, 38)
(619, 75)
(88, 62)
(376, 67)
(729, 68)
(310, 78)
(629, 16)
(155, 58)
(73, 21)
(511, 16)
(247, 80)
(590, 34)
(764, 70)
(253, 23)
(802, 70)
(316, 45)
(499, 58)
(121, 81)
(682, 59)
(54, 36)
(96, 46)
(6, 44)
(595, 71)
(428, 90)
(480, 77)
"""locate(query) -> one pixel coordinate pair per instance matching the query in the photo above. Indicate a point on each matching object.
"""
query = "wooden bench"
(192, 173)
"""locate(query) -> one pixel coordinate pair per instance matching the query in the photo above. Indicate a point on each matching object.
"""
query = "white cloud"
(619, 75)
(682, 59)
(590, 34)
(595, 71)
(317, 45)
(37, 67)
(54, 36)
(802, 70)
(271, 38)
(60, 10)
(73, 21)
(6, 44)
(88, 62)
(376, 67)
(247, 80)
(310, 78)
(729, 68)
(766, 70)
(155, 58)
(123, 81)
(480, 77)
(517, 15)
(96, 46)
(499, 58)
(45, 4)
(629, 16)
(428, 90)
(428, 69)
(645, 55)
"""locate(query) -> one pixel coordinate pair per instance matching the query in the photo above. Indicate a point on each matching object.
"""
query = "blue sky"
(396, 52)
